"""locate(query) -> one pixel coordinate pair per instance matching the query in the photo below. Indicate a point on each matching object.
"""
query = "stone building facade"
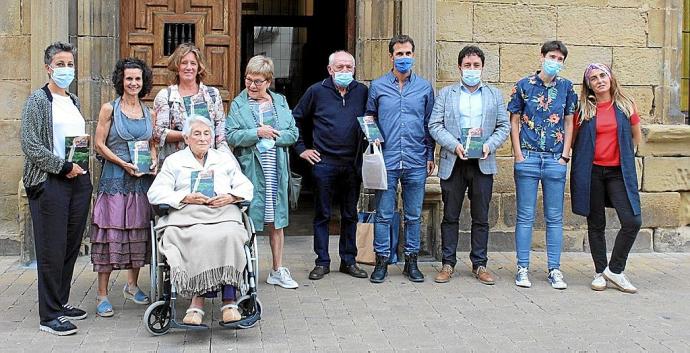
(641, 39)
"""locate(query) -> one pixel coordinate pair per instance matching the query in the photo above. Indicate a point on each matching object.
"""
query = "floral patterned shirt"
(171, 111)
(542, 109)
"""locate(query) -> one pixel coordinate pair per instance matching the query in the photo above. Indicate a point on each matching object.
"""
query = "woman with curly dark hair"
(120, 230)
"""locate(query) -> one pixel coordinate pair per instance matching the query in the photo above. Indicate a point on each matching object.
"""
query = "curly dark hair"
(118, 77)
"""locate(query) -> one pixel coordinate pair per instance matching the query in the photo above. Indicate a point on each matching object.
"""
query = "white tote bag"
(374, 174)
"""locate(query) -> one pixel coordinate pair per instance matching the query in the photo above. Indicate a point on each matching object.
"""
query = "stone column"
(97, 28)
(375, 27)
(418, 19)
(665, 27)
(419, 22)
(49, 23)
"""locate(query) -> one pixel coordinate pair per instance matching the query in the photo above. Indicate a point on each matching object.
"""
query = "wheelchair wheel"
(157, 318)
(245, 307)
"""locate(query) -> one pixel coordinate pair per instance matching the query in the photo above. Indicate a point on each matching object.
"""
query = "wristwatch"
(566, 159)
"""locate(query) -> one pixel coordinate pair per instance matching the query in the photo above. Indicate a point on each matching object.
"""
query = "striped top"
(264, 113)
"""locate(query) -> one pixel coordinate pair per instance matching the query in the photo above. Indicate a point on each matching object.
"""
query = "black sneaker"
(73, 313)
(60, 326)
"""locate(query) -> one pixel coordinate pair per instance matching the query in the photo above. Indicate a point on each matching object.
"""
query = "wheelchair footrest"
(246, 322)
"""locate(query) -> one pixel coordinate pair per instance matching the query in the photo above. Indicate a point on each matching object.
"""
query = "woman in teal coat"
(260, 128)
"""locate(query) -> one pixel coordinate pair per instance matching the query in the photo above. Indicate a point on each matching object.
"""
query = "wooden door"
(151, 29)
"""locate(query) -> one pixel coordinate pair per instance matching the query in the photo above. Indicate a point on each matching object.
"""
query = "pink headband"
(596, 66)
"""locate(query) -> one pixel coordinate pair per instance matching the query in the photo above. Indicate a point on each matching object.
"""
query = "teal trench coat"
(240, 131)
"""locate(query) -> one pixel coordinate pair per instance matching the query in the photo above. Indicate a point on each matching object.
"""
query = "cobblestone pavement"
(341, 313)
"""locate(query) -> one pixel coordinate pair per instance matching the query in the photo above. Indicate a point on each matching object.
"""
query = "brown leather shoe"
(445, 274)
(483, 275)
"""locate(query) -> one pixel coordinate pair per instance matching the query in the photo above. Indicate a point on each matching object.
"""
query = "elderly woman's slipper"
(104, 308)
(139, 297)
(194, 316)
(230, 313)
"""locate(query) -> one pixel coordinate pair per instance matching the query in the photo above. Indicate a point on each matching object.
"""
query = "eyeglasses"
(257, 83)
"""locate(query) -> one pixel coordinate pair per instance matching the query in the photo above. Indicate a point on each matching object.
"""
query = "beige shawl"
(204, 247)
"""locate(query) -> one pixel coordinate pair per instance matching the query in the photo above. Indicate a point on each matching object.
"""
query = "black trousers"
(607, 182)
(59, 215)
(466, 177)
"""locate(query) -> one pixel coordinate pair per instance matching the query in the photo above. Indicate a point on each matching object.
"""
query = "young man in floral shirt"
(542, 107)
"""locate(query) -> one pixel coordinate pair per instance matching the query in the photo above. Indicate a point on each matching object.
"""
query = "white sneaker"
(556, 279)
(282, 277)
(620, 281)
(599, 282)
(522, 277)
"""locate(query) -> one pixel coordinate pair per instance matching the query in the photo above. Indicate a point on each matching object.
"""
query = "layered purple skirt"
(120, 229)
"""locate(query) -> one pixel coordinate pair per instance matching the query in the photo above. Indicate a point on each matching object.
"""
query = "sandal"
(194, 316)
(139, 297)
(230, 313)
(104, 308)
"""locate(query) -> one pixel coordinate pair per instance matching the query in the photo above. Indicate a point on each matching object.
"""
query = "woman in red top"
(603, 172)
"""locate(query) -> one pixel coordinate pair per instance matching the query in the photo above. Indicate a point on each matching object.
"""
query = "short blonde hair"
(260, 65)
(176, 57)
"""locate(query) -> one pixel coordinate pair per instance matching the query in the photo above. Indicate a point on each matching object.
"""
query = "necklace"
(132, 111)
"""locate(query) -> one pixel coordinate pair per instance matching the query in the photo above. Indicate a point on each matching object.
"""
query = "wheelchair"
(161, 315)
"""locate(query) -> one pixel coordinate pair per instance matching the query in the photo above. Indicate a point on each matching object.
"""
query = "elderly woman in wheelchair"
(202, 237)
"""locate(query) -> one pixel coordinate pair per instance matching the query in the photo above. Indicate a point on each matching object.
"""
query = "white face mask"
(471, 77)
(62, 76)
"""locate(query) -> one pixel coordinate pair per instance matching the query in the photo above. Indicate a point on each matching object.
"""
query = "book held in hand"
(370, 128)
(77, 150)
(472, 142)
(202, 182)
(140, 154)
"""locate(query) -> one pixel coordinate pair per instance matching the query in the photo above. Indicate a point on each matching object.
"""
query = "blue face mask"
(342, 79)
(471, 77)
(552, 67)
(63, 76)
(265, 144)
(403, 65)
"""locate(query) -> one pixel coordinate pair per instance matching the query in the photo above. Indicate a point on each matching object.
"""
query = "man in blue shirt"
(330, 140)
(468, 106)
(402, 102)
(542, 107)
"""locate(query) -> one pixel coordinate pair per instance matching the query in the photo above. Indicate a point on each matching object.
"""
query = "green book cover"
(472, 142)
(202, 182)
(77, 150)
(370, 128)
(140, 154)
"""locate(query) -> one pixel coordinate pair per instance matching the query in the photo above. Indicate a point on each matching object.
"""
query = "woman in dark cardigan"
(59, 191)
(603, 172)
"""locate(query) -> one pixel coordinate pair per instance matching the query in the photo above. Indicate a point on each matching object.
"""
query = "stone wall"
(15, 85)
(632, 36)
(639, 39)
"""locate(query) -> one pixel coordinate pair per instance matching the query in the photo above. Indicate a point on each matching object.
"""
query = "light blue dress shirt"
(470, 107)
(403, 118)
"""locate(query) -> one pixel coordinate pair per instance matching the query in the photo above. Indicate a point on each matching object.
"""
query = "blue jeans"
(335, 183)
(412, 182)
(544, 167)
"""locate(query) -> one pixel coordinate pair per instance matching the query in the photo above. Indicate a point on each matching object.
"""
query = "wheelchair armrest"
(161, 210)
(244, 204)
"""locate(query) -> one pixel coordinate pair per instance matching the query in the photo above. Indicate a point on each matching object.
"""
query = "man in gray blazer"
(469, 107)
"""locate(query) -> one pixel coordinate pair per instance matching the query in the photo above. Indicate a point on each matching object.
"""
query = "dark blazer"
(583, 155)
